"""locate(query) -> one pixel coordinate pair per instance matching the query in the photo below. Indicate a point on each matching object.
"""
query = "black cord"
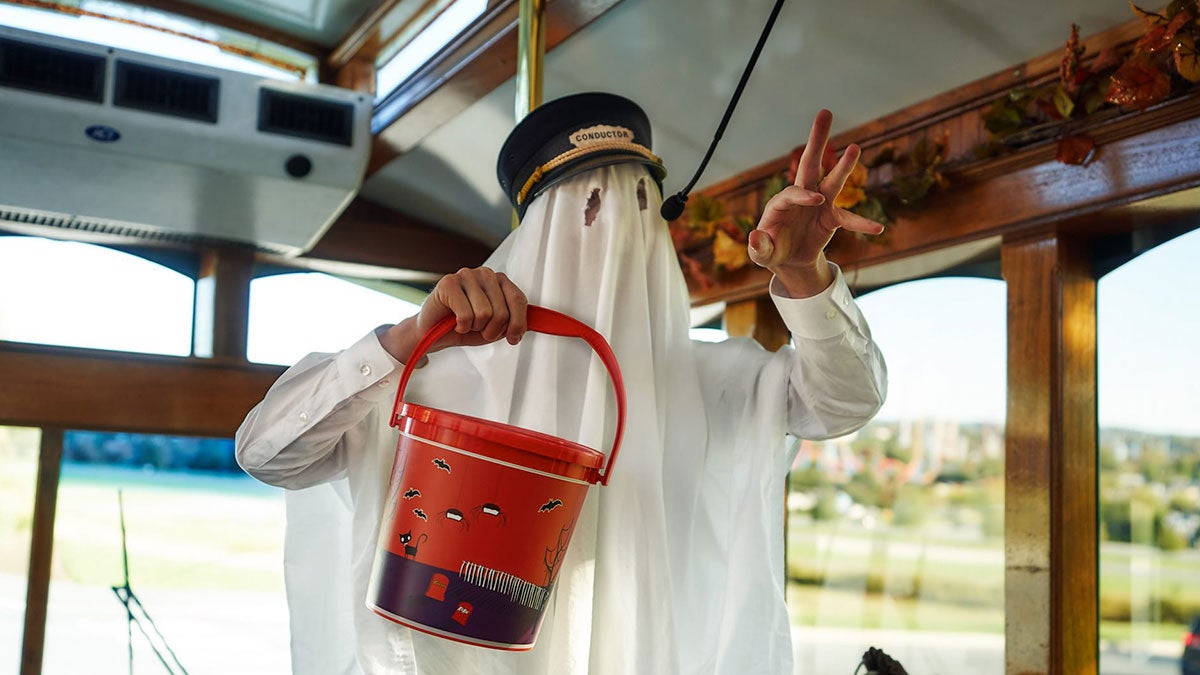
(672, 208)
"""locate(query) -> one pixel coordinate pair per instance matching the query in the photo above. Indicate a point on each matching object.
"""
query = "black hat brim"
(584, 164)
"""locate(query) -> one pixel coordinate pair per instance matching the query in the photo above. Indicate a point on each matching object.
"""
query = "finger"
(518, 306)
(808, 173)
(481, 306)
(836, 179)
(761, 248)
(498, 324)
(795, 196)
(450, 293)
(856, 223)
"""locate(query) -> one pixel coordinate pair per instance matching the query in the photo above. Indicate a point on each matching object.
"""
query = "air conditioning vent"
(170, 151)
(166, 92)
(305, 117)
(50, 70)
(105, 231)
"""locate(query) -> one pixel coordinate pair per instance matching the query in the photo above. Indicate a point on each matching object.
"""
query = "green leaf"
(927, 154)
(1003, 118)
(871, 209)
(773, 186)
(911, 189)
(1063, 103)
(1093, 100)
(1149, 16)
(885, 156)
(1187, 58)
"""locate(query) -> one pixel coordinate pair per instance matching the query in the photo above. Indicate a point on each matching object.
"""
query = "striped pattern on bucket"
(518, 590)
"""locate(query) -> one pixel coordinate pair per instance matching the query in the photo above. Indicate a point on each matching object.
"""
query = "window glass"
(81, 295)
(896, 533)
(18, 479)
(149, 30)
(446, 22)
(1149, 394)
(205, 559)
(292, 315)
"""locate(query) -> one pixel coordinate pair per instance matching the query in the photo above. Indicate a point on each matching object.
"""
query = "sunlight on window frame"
(449, 24)
(151, 31)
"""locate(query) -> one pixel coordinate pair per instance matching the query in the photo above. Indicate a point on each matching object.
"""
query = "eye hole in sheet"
(592, 208)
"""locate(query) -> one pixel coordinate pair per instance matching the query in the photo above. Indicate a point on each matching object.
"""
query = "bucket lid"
(518, 438)
(540, 320)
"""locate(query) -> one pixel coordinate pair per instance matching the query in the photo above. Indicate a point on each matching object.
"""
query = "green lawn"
(183, 530)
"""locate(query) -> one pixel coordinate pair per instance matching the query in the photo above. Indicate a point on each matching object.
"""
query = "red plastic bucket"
(479, 514)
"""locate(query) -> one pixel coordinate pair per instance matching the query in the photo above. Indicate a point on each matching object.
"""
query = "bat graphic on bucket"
(498, 507)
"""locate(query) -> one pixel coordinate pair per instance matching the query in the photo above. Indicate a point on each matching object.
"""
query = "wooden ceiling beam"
(1140, 155)
(369, 234)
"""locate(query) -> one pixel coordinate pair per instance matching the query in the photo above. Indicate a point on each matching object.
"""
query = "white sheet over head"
(594, 247)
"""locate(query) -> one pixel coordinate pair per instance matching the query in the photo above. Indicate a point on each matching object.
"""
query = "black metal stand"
(136, 613)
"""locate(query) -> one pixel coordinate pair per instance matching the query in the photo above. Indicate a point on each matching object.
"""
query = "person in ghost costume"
(676, 566)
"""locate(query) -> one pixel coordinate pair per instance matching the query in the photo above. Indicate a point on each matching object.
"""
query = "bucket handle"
(550, 322)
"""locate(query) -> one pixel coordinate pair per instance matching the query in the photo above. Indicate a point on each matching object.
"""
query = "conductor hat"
(570, 135)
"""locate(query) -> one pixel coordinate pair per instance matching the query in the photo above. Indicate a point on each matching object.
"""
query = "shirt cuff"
(824, 315)
(368, 369)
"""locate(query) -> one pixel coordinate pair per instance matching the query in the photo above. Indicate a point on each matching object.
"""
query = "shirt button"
(303, 417)
(364, 369)
(830, 314)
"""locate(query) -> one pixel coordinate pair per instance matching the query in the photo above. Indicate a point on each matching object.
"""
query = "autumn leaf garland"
(1165, 61)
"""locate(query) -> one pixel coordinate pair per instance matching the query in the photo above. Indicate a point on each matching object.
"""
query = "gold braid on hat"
(576, 153)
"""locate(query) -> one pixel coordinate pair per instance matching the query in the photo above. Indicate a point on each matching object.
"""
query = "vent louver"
(22, 221)
(305, 117)
(50, 70)
(166, 92)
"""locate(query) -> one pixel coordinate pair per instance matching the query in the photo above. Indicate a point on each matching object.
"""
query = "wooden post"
(757, 318)
(1051, 571)
(41, 551)
(222, 310)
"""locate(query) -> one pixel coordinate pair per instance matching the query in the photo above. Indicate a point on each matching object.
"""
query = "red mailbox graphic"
(463, 612)
(437, 587)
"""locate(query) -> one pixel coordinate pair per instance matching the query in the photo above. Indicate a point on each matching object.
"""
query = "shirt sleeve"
(838, 378)
(296, 436)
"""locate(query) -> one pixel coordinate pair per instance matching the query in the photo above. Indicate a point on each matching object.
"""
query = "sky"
(943, 339)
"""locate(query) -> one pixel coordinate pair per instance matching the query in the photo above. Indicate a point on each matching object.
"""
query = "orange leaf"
(1162, 36)
(728, 252)
(1187, 58)
(1076, 149)
(1107, 58)
(1069, 69)
(1138, 83)
(854, 191)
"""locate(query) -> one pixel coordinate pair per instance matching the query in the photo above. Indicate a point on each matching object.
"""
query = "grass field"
(183, 530)
(197, 533)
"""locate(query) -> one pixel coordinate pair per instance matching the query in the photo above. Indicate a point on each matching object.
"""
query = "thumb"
(761, 248)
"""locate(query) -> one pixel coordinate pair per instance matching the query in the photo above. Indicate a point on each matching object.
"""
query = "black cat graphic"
(410, 552)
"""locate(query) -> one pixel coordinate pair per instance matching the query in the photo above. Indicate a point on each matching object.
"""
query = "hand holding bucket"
(480, 513)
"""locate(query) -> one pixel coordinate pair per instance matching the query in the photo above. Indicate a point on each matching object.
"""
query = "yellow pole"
(531, 57)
